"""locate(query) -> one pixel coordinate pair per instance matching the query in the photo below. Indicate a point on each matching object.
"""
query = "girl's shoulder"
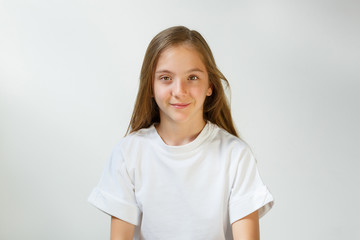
(233, 148)
(133, 144)
(227, 139)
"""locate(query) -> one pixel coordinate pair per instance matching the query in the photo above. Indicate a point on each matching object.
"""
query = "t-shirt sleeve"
(115, 193)
(248, 192)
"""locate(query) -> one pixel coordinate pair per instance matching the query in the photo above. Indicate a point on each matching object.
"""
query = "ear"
(209, 91)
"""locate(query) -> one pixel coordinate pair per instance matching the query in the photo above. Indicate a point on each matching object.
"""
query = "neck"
(179, 133)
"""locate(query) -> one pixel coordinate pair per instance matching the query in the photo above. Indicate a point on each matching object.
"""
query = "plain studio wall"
(69, 75)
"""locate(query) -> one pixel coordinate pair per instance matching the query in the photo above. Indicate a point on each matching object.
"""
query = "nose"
(179, 88)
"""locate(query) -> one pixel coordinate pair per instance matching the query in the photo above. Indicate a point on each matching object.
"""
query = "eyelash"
(162, 78)
(168, 78)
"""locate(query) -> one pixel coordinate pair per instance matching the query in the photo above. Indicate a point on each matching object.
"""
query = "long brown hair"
(216, 106)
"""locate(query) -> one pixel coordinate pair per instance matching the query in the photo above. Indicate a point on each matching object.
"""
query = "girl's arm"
(121, 230)
(247, 228)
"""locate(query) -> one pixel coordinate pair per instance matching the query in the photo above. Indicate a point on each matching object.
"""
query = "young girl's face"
(181, 85)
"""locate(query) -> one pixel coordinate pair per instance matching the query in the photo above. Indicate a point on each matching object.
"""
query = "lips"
(180, 105)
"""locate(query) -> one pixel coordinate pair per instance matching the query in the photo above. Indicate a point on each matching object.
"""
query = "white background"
(68, 79)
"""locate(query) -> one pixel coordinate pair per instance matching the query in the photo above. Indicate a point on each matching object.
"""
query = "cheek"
(201, 91)
(199, 94)
(160, 93)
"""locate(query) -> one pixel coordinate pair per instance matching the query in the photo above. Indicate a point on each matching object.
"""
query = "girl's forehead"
(180, 56)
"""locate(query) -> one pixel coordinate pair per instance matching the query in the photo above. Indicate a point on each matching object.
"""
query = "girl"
(181, 172)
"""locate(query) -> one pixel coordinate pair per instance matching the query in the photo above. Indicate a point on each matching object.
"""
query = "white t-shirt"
(194, 191)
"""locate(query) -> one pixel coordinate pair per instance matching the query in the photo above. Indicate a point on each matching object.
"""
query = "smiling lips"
(180, 105)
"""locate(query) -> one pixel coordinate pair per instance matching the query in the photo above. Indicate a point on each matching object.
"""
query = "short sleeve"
(114, 193)
(248, 192)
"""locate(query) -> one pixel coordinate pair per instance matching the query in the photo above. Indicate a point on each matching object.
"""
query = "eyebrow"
(191, 70)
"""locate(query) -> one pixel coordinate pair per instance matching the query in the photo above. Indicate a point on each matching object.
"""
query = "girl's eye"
(193, 78)
(165, 78)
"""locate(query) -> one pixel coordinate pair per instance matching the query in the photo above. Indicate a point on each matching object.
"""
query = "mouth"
(179, 105)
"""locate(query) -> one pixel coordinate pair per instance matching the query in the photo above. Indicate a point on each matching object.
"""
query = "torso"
(182, 191)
